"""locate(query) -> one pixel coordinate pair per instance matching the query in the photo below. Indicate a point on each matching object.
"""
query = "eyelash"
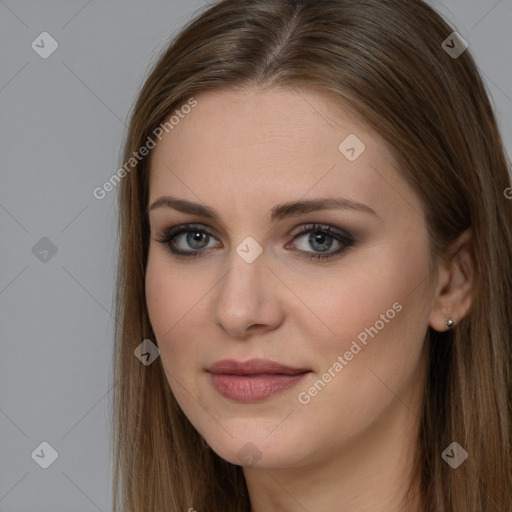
(342, 237)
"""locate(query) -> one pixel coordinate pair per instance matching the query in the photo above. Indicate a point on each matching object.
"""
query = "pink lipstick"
(253, 380)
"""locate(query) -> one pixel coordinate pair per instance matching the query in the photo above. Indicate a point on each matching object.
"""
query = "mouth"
(254, 380)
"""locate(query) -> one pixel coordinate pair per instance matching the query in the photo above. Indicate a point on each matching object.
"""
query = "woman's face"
(340, 294)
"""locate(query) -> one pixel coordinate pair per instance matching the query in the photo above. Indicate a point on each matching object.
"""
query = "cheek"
(177, 302)
(167, 298)
(378, 312)
(171, 294)
(161, 303)
(377, 320)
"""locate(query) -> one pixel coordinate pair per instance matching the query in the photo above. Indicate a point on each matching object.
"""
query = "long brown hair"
(385, 57)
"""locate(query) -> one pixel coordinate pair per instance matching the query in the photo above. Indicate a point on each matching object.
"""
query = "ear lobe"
(453, 295)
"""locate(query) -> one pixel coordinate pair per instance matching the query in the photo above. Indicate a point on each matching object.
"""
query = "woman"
(315, 233)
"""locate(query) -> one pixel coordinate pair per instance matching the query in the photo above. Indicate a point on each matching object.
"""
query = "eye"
(322, 239)
(192, 240)
(187, 240)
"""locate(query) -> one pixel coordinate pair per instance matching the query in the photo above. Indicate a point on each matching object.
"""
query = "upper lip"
(253, 367)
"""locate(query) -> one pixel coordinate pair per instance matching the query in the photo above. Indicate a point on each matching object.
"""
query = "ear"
(454, 286)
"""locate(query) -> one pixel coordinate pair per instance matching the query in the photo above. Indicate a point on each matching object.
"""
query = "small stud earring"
(449, 323)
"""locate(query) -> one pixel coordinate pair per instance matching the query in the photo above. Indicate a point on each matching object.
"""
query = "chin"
(258, 450)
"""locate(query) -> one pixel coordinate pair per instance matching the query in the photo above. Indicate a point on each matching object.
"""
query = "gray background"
(62, 122)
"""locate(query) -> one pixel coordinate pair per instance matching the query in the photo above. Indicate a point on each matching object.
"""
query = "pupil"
(319, 239)
(194, 238)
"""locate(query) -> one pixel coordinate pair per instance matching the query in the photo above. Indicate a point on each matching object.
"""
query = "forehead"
(276, 145)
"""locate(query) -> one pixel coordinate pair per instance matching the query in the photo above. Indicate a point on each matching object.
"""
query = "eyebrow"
(278, 212)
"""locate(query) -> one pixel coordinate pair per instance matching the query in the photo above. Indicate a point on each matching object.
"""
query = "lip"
(254, 380)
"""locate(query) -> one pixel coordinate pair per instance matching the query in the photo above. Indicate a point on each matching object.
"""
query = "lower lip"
(248, 389)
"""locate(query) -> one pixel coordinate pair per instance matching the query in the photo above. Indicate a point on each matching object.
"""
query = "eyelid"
(167, 232)
(175, 231)
(340, 235)
(193, 226)
(327, 228)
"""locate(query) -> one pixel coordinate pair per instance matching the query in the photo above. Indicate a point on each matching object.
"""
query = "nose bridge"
(243, 297)
(245, 279)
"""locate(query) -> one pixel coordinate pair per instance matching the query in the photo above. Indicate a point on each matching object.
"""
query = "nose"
(248, 299)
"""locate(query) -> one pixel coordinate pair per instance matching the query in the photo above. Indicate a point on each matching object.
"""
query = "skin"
(241, 152)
